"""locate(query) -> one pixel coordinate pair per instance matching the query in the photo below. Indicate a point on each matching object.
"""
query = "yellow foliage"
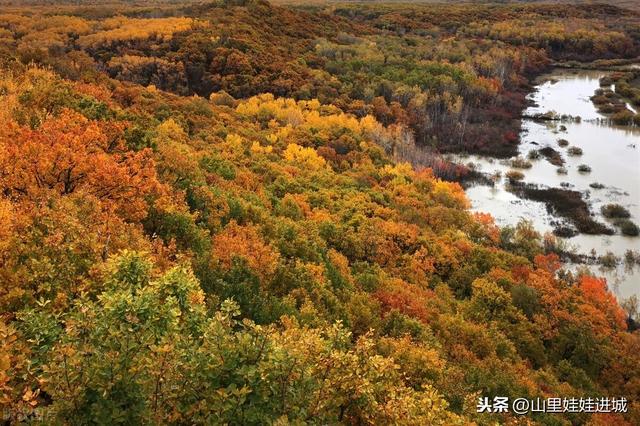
(256, 148)
(450, 194)
(235, 143)
(169, 130)
(307, 157)
(121, 29)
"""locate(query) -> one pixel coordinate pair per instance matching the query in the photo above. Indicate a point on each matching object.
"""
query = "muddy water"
(612, 152)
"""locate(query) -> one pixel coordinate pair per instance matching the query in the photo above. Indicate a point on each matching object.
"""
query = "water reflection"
(612, 153)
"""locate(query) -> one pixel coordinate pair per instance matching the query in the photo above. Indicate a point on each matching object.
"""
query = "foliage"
(615, 211)
(221, 213)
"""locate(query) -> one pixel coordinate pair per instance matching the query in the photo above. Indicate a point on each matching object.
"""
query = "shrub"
(563, 142)
(565, 231)
(611, 109)
(552, 156)
(514, 176)
(561, 171)
(526, 299)
(583, 168)
(627, 227)
(606, 81)
(533, 155)
(615, 211)
(520, 163)
(596, 185)
(609, 260)
(574, 150)
(623, 118)
(222, 98)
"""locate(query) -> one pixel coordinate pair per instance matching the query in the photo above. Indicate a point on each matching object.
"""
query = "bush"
(583, 168)
(599, 100)
(627, 227)
(609, 260)
(574, 150)
(533, 155)
(514, 176)
(526, 299)
(561, 171)
(615, 211)
(563, 142)
(552, 156)
(596, 185)
(623, 118)
(520, 163)
(606, 81)
(222, 98)
(611, 109)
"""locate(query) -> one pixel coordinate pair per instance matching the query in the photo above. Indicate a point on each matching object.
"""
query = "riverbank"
(570, 168)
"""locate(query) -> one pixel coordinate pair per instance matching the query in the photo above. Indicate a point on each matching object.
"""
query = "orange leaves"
(388, 240)
(422, 264)
(406, 298)
(550, 262)
(245, 242)
(70, 154)
(596, 293)
(7, 224)
(488, 224)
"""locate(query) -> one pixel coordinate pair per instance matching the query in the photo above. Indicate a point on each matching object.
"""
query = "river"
(612, 152)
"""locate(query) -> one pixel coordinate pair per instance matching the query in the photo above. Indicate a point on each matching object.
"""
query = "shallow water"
(612, 152)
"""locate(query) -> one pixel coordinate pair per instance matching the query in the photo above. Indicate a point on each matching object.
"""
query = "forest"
(237, 212)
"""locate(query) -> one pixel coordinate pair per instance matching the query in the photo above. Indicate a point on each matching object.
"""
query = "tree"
(70, 154)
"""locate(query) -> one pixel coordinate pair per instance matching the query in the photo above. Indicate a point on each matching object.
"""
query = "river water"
(612, 152)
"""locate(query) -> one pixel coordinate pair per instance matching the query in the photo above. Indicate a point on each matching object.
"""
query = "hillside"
(239, 213)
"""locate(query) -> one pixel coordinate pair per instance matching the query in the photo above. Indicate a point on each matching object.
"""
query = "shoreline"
(572, 226)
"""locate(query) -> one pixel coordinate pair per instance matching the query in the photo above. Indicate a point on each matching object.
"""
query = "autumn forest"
(238, 212)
